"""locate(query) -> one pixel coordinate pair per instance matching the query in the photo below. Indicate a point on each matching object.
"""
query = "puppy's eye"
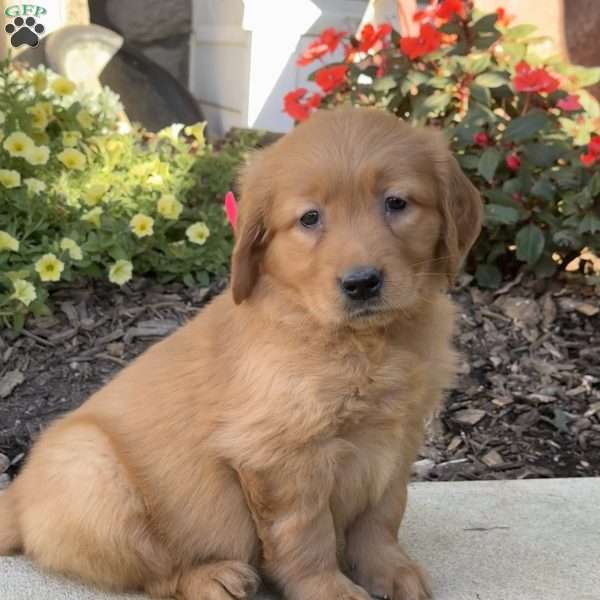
(395, 204)
(310, 219)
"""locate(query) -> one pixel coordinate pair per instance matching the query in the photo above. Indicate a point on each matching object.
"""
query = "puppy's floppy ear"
(462, 209)
(251, 231)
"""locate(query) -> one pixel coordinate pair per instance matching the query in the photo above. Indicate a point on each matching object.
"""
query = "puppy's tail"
(10, 534)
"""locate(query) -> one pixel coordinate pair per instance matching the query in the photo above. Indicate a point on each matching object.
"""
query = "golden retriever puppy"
(275, 432)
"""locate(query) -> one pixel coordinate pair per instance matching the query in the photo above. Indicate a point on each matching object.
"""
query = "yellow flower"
(49, 267)
(70, 138)
(39, 81)
(154, 180)
(72, 248)
(93, 216)
(85, 119)
(169, 207)
(24, 292)
(61, 86)
(120, 272)
(8, 242)
(171, 133)
(197, 233)
(39, 116)
(94, 192)
(18, 143)
(9, 178)
(197, 130)
(72, 159)
(37, 155)
(35, 186)
(142, 225)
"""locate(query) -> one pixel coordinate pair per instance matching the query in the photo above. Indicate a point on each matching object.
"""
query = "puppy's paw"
(334, 586)
(224, 580)
(389, 574)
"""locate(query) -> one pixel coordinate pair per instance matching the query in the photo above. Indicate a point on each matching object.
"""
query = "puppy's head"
(354, 216)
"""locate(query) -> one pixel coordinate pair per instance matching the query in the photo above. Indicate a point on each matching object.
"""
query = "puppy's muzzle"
(362, 284)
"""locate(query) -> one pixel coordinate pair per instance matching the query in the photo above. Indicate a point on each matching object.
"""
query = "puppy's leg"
(80, 513)
(290, 506)
(378, 562)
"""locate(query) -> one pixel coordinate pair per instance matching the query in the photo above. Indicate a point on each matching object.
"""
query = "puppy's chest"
(360, 385)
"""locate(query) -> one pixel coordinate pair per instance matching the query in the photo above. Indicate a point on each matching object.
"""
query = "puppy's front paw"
(334, 586)
(387, 573)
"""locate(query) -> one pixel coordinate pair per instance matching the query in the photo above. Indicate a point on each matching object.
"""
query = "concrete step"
(482, 540)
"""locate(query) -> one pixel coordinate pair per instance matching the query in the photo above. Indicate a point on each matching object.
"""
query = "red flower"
(328, 41)
(429, 40)
(448, 8)
(231, 209)
(513, 162)
(569, 103)
(481, 139)
(593, 153)
(297, 110)
(503, 18)
(369, 36)
(534, 80)
(331, 78)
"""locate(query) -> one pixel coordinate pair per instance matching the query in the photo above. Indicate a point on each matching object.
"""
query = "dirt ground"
(526, 403)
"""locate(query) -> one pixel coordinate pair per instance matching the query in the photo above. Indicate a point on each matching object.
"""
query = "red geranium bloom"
(328, 41)
(593, 153)
(428, 40)
(330, 78)
(448, 8)
(481, 139)
(369, 36)
(513, 162)
(570, 103)
(534, 80)
(297, 110)
(420, 15)
(503, 18)
(231, 209)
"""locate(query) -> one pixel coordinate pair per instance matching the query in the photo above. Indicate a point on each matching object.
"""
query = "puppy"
(275, 432)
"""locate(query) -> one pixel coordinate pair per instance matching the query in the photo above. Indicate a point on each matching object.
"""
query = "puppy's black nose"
(362, 283)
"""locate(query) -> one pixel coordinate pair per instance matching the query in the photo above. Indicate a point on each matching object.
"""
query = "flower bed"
(522, 127)
(82, 197)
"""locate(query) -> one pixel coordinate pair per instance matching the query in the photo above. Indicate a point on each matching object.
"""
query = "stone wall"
(160, 29)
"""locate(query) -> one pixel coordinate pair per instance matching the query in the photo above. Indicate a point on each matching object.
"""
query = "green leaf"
(488, 276)
(384, 84)
(530, 244)
(527, 126)
(437, 103)
(499, 214)
(488, 163)
(519, 31)
(477, 63)
(589, 224)
(481, 94)
(189, 280)
(468, 161)
(542, 188)
(543, 155)
(515, 50)
(486, 24)
(491, 80)
(594, 185)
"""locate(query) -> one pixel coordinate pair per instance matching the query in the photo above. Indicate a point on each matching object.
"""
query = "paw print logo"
(24, 31)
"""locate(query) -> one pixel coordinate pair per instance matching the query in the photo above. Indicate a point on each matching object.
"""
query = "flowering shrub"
(80, 199)
(522, 127)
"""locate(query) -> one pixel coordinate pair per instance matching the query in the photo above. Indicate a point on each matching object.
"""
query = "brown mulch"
(526, 403)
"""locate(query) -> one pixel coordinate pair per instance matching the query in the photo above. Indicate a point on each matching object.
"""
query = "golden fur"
(275, 432)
